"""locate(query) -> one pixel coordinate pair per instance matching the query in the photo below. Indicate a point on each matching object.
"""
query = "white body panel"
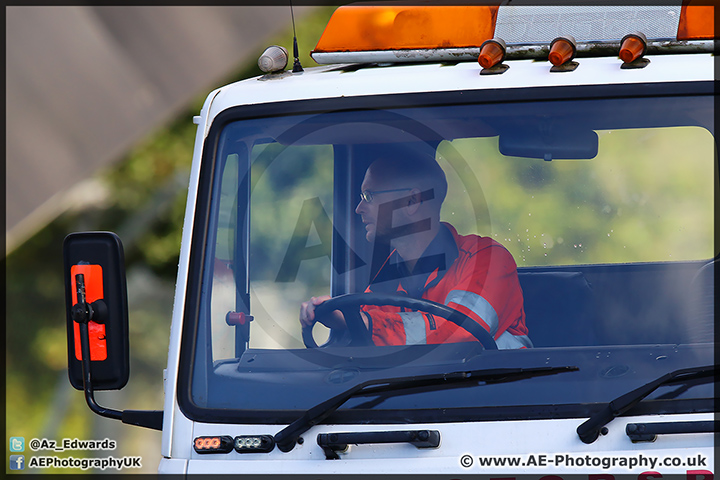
(484, 442)
(538, 437)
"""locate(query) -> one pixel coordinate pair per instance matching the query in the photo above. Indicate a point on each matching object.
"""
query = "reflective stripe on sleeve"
(414, 323)
(507, 340)
(477, 304)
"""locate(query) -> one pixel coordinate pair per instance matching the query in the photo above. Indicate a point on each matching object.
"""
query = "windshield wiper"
(589, 430)
(286, 438)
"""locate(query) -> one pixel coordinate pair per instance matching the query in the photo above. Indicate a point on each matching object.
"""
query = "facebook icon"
(17, 462)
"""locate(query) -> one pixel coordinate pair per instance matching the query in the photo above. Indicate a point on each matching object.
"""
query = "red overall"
(481, 282)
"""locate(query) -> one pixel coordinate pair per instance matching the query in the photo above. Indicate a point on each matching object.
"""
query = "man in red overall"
(400, 201)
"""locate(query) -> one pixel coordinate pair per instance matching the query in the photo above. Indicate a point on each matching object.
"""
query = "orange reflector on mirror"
(93, 276)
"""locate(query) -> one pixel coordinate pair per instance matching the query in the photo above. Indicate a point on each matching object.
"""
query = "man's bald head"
(411, 168)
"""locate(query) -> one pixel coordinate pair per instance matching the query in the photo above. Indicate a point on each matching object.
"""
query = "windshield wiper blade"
(589, 430)
(286, 438)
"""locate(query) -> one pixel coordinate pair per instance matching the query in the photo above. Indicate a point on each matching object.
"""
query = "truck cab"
(581, 139)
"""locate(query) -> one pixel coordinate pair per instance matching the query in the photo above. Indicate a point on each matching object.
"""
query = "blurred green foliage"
(618, 207)
(145, 195)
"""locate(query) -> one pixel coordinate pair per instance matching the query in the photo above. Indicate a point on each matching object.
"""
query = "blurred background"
(99, 136)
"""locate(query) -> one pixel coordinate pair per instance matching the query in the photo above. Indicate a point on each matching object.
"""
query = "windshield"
(595, 215)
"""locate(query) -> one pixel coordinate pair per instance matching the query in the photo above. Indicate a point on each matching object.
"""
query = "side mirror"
(96, 295)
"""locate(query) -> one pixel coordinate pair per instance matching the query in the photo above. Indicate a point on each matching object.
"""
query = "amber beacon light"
(492, 52)
(697, 20)
(562, 50)
(367, 28)
(632, 47)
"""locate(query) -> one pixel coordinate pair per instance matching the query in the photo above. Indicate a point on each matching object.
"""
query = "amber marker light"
(632, 47)
(562, 50)
(492, 52)
(216, 444)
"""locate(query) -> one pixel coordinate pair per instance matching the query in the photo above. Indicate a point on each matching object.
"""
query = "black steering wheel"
(350, 304)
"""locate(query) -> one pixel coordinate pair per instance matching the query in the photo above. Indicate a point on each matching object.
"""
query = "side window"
(224, 296)
(290, 242)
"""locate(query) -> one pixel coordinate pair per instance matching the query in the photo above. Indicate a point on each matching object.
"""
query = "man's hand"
(334, 320)
(307, 314)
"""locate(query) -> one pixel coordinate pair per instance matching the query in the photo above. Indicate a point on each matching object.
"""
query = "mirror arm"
(82, 314)
(87, 378)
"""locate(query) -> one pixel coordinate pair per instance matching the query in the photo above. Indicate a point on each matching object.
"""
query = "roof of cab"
(398, 49)
(369, 80)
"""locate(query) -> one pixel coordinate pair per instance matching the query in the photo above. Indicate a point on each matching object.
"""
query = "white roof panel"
(335, 82)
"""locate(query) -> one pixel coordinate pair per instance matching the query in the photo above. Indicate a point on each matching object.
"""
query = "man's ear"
(414, 202)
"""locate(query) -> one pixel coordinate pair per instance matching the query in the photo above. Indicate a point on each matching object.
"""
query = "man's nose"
(360, 205)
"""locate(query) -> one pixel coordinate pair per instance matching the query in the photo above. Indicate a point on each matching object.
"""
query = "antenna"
(296, 65)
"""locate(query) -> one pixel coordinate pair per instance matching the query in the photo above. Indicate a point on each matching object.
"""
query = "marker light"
(562, 50)
(273, 59)
(697, 22)
(632, 47)
(492, 52)
(254, 443)
(218, 444)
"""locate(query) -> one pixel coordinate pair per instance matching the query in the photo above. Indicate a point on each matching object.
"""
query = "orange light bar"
(697, 22)
(368, 28)
(562, 50)
(633, 47)
(492, 52)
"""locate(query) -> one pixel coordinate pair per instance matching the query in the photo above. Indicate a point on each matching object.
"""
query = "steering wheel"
(349, 305)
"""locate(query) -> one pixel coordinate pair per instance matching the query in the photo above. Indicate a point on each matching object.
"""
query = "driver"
(400, 208)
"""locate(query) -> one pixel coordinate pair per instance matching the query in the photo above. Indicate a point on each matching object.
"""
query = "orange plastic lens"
(490, 55)
(93, 276)
(561, 52)
(697, 22)
(203, 443)
(368, 28)
(631, 49)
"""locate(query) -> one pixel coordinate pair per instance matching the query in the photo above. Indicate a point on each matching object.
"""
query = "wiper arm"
(589, 430)
(286, 438)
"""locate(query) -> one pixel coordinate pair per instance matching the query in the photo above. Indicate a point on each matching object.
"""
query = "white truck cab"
(579, 138)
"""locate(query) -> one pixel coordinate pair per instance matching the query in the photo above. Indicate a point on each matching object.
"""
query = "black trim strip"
(458, 415)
